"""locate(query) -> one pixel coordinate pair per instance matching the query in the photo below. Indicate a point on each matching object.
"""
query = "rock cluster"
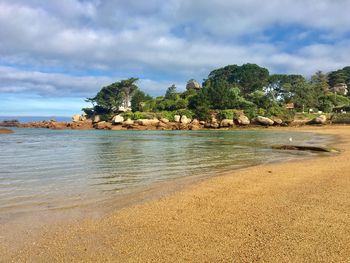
(5, 131)
(180, 122)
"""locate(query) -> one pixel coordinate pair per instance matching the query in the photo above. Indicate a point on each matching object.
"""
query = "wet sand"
(284, 212)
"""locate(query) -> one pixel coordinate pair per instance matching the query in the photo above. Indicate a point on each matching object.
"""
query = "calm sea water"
(44, 169)
(24, 119)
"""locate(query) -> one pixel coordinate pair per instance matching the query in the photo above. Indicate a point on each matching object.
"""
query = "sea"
(44, 170)
(25, 119)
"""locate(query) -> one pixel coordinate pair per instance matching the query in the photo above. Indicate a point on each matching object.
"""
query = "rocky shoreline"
(80, 122)
(5, 131)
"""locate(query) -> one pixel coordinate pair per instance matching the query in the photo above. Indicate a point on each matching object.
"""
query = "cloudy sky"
(55, 53)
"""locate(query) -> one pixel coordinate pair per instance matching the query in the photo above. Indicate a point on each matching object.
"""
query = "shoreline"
(184, 190)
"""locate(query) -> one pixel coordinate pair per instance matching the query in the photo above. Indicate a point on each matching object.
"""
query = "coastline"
(165, 225)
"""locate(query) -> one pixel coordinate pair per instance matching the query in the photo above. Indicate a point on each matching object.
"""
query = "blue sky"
(53, 54)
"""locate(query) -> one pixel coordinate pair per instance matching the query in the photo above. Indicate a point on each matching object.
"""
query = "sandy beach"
(283, 212)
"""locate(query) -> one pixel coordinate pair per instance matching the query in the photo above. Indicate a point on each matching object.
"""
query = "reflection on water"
(45, 169)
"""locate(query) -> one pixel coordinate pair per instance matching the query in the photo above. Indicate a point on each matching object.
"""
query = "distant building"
(340, 88)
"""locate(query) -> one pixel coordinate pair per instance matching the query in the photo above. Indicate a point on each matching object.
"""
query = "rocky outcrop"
(5, 131)
(277, 121)
(103, 125)
(195, 122)
(193, 85)
(193, 126)
(10, 123)
(322, 119)
(80, 125)
(177, 118)
(128, 122)
(76, 118)
(242, 120)
(164, 120)
(147, 122)
(263, 121)
(96, 118)
(185, 120)
(226, 123)
(118, 119)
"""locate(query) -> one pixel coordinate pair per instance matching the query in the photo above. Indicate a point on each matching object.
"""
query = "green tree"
(280, 86)
(171, 93)
(248, 77)
(111, 97)
(138, 100)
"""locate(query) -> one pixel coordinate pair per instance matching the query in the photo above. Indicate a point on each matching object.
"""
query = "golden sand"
(286, 212)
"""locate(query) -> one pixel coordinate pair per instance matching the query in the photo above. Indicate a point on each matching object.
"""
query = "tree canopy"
(248, 87)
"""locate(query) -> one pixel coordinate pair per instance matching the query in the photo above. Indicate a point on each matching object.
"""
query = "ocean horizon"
(26, 119)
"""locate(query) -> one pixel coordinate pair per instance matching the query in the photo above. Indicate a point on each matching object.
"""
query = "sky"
(53, 54)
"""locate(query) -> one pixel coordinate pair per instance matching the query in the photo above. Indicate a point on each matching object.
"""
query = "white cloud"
(173, 40)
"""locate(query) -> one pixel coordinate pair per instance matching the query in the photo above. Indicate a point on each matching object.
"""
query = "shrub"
(128, 115)
(225, 114)
(188, 113)
(166, 114)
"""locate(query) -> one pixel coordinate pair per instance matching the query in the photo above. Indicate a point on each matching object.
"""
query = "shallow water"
(48, 169)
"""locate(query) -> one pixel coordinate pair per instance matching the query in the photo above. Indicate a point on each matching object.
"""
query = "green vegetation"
(248, 88)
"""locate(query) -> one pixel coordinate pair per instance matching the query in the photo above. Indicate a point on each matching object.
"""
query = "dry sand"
(285, 212)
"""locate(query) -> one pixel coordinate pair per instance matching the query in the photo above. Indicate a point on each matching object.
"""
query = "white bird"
(290, 139)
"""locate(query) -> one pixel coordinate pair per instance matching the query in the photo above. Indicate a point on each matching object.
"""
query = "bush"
(188, 113)
(166, 114)
(251, 112)
(343, 118)
(225, 114)
(138, 115)
(128, 115)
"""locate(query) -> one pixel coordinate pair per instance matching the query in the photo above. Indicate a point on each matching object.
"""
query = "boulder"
(277, 121)
(5, 131)
(214, 125)
(322, 119)
(202, 122)
(58, 125)
(128, 122)
(226, 123)
(194, 127)
(164, 120)
(185, 120)
(164, 126)
(117, 128)
(207, 125)
(147, 122)
(96, 118)
(82, 117)
(195, 122)
(118, 119)
(177, 118)
(103, 125)
(264, 121)
(242, 120)
(76, 118)
(193, 84)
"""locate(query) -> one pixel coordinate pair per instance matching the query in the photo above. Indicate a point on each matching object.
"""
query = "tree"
(320, 82)
(200, 104)
(138, 100)
(171, 93)
(248, 77)
(127, 88)
(111, 97)
(280, 86)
